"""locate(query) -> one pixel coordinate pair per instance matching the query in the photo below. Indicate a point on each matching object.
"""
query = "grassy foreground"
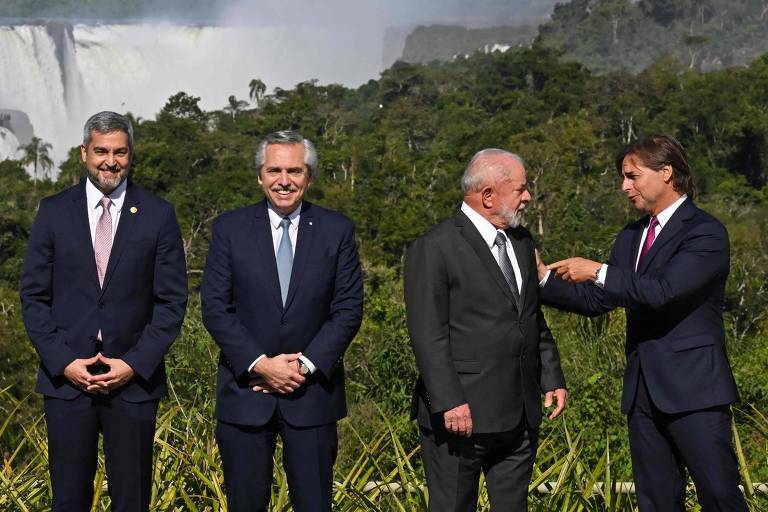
(384, 476)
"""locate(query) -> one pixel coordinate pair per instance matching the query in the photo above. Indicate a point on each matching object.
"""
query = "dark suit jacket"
(674, 305)
(472, 344)
(243, 311)
(140, 308)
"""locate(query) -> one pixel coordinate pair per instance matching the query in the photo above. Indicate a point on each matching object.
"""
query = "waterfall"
(59, 74)
(8, 144)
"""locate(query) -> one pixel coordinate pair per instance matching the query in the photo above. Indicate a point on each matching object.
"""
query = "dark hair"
(656, 151)
(108, 122)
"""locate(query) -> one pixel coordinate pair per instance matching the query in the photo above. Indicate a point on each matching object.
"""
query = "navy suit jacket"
(140, 308)
(674, 305)
(243, 311)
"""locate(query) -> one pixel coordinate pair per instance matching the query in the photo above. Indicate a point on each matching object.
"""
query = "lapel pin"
(310, 223)
(134, 209)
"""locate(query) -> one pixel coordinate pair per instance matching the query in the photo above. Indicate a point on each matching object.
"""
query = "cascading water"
(8, 144)
(59, 74)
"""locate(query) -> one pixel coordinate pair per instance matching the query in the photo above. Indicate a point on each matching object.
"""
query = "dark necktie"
(506, 266)
(649, 239)
(284, 259)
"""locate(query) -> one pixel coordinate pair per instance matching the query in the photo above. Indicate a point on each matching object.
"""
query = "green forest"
(391, 155)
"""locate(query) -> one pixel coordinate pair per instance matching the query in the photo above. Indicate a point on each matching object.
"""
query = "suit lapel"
(473, 238)
(262, 234)
(668, 232)
(304, 247)
(78, 210)
(129, 215)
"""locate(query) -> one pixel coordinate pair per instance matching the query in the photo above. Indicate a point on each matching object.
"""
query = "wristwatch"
(303, 368)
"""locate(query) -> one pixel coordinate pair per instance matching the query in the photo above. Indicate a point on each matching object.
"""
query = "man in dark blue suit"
(282, 296)
(103, 293)
(669, 271)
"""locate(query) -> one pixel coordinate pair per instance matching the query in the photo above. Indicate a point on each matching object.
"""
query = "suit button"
(101, 305)
(282, 321)
(522, 356)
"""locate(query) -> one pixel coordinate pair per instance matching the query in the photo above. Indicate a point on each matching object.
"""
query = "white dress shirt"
(488, 232)
(93, 199)
(275, 219)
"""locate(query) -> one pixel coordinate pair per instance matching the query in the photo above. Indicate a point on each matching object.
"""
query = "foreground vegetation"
(392, 152)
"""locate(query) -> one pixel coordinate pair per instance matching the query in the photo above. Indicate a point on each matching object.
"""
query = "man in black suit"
(283, 297)
(482, 345)
(668, 270)
(103, 294)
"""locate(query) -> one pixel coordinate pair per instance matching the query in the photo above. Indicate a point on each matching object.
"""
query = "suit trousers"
(663, 445)
(452, 465)
(308, 457)
(73, 440)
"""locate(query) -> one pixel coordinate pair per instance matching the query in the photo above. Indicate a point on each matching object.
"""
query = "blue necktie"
(284, 259)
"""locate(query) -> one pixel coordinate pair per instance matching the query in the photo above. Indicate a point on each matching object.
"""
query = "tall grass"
(385, 476)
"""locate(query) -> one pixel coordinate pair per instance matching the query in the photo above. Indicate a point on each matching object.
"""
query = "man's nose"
(283, 180)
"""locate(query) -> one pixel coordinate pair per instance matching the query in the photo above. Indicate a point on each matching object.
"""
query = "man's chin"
(105, 186)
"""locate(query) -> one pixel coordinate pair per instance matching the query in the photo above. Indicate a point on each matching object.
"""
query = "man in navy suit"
(282, 296)
(103, 293)
(669, 271)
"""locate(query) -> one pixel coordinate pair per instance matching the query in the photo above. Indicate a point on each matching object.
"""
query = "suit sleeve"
(551, 373)
(580, 298)
(327, 347)
(239, 347)
(169, 287)
(427, 308)
(702, 258)
(36, 292)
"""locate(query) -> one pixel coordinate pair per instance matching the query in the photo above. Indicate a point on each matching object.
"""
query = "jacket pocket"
(467, 366)
(691, 342)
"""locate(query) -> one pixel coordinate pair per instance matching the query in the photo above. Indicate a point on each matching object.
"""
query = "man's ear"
(668, 173)
(83, 151)
(486, 196)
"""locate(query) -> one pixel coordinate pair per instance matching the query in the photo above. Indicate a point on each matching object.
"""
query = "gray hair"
(108, 122)
(480, 168)
(288, 137)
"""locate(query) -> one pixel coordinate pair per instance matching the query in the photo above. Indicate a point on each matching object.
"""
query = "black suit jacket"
(674, 304)
(472, 344)
(140, 308)
(243, 311)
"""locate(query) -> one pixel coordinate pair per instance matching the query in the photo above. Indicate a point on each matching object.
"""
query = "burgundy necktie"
(649, 238)
(102, 243)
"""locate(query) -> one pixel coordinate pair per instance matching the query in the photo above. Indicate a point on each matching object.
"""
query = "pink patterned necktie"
(649, 239)
(102, 244)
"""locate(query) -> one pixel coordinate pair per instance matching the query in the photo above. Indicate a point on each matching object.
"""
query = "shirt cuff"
(250, 368)
(544, 279)
(308, 363)
(600, 281)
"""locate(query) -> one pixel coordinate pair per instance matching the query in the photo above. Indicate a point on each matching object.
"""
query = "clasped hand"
(279, 374)
(78, 374)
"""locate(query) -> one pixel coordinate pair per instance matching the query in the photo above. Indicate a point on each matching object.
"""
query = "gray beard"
(106, 185)
(513, 219)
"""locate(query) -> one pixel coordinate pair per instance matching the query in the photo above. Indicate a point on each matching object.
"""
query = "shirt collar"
(666, 214)
(275, 217)
(94, 195)
(487, 230)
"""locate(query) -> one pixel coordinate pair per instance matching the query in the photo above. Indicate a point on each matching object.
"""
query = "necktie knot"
(500, 240)
(106, 202)
(654, 223)
(285, 224)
